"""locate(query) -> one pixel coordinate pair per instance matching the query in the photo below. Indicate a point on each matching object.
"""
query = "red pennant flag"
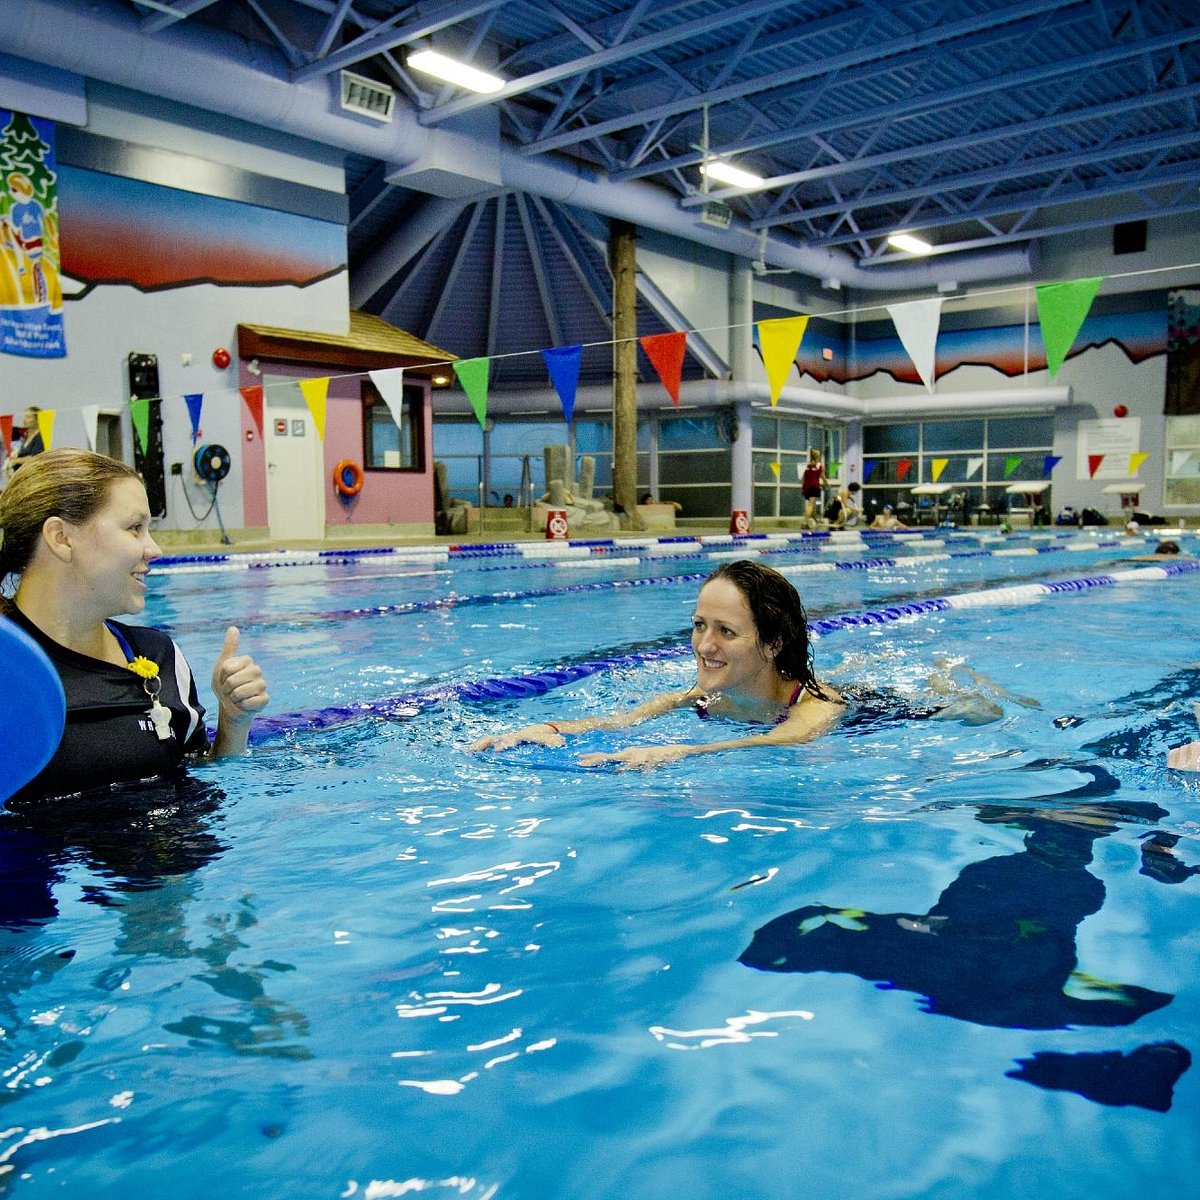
(1094, 461)
(665, 352)
(6, 423)
(902, 469)
(253, 397)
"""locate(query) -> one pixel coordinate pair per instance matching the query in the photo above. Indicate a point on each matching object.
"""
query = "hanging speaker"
(211, 462)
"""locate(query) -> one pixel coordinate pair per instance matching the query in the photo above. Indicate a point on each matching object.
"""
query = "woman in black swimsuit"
(753, 664)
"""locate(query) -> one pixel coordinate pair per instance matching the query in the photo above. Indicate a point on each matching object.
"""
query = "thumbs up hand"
(241, 691)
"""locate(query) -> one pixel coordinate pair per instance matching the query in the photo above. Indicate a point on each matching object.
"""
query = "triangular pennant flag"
(834, 469)
(775, 469)
(1049, 463)
(1136, 460)
(937, 467)
(869, 469)
(1062, 309)
(1179, 458)
(194, 402)
(917, 325)
(91, 418)
(390, 385)
(563, 362)
(316, 393)
(1094, 461)
(139, 414)
(779, 340)
(253, 397)
(973, 467)
(1011, 463)
(6, 428)
(665, 352)
(473, 375)
(903, 466)
(45, 423)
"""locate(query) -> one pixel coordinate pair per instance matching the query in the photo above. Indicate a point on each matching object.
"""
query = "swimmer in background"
(887, 519)
(811, 483)
(843, 511)
(1186, 757)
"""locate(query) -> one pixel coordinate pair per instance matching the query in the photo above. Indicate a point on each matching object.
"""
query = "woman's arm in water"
(805, 723)
(550, 733)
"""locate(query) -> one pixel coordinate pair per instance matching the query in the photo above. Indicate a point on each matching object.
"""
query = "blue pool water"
(914, 959)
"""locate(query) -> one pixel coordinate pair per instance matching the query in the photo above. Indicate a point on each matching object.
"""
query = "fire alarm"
(1120, 411)
(221, 358)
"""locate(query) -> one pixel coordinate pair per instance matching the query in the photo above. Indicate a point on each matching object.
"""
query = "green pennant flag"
(1062, 309)
(473, 375)
(139, 413)
(1011, 463)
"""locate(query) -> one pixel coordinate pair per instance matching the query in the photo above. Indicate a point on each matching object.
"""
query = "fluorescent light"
(726, 172)
(461, 75)
(907, 241)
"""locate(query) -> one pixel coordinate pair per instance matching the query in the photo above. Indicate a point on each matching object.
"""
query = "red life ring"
(347, 478)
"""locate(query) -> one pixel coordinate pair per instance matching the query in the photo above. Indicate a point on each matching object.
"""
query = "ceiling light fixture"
(457, 73)
(910, 243)
(726, 172)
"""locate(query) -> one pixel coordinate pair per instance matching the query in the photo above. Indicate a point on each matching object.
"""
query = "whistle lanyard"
(147, 671)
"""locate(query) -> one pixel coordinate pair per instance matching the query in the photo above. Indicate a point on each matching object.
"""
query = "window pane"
(764, 502)
(386, 445)
(689, 433)
(762, 468)
(1020, 431)
(791, 503)
(593, 437)
(891, 439)
(694, 468)
(953, 435)
(710, 501)
(764, 432)
(527, 437)
(1014, 468)
(457, 437)
(794, 435)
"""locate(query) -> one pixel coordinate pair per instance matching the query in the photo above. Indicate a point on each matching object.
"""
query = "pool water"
(913, 959)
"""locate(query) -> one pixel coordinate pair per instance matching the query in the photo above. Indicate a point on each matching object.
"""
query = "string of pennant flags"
(1062, 309)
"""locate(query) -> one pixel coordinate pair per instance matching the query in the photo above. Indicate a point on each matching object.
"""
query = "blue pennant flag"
(563, 364)
(194, 402)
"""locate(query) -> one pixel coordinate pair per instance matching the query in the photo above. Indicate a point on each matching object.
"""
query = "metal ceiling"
(979, 124)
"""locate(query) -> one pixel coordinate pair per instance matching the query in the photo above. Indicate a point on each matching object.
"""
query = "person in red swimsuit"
(811, 484)
(753, 664)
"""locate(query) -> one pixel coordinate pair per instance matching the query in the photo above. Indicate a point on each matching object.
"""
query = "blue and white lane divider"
(610, 552)
(538, 683)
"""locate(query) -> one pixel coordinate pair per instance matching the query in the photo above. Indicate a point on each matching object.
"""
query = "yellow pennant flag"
(1136, 460)
(938, 466)
(315, 392)
(775, 469)
(779, 341)
(45, 424)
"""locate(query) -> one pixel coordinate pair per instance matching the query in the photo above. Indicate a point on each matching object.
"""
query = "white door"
(295, 464)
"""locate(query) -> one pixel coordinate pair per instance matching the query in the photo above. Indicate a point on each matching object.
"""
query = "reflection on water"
(998, 947)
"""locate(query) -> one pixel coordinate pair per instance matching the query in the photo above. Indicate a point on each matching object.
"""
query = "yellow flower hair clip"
(143, 667)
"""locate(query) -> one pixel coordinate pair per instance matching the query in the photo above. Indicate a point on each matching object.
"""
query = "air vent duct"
(366, 97)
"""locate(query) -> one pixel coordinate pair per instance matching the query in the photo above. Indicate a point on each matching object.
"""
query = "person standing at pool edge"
(753, 664)
(75, 535)
(811, 484)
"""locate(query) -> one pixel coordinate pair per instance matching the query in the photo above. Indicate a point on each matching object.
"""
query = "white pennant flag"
(917, 324)
(391, 387)
(91, 418)
(973, 465)
(1179, 460)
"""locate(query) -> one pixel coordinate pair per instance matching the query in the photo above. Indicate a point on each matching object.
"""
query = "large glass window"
(781, 446)
(388, 446)
(975, 460)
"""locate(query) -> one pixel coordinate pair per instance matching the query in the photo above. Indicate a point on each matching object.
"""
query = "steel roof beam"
(167, 14)
(540, 274)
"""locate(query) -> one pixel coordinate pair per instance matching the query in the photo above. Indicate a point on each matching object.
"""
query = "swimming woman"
(753, 664)
(75, 536)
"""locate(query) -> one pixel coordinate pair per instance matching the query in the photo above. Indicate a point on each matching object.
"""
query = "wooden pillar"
(623, 263)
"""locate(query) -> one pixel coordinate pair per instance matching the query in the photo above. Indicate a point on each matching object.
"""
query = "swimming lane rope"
(540, 682)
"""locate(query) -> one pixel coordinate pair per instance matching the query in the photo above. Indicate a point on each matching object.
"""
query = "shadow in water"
(998, 946)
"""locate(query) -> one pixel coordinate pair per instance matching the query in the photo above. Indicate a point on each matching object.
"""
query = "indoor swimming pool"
(913, 959)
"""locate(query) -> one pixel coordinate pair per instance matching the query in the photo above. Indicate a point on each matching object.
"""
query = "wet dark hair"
(778, 617)
(1167, 547)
